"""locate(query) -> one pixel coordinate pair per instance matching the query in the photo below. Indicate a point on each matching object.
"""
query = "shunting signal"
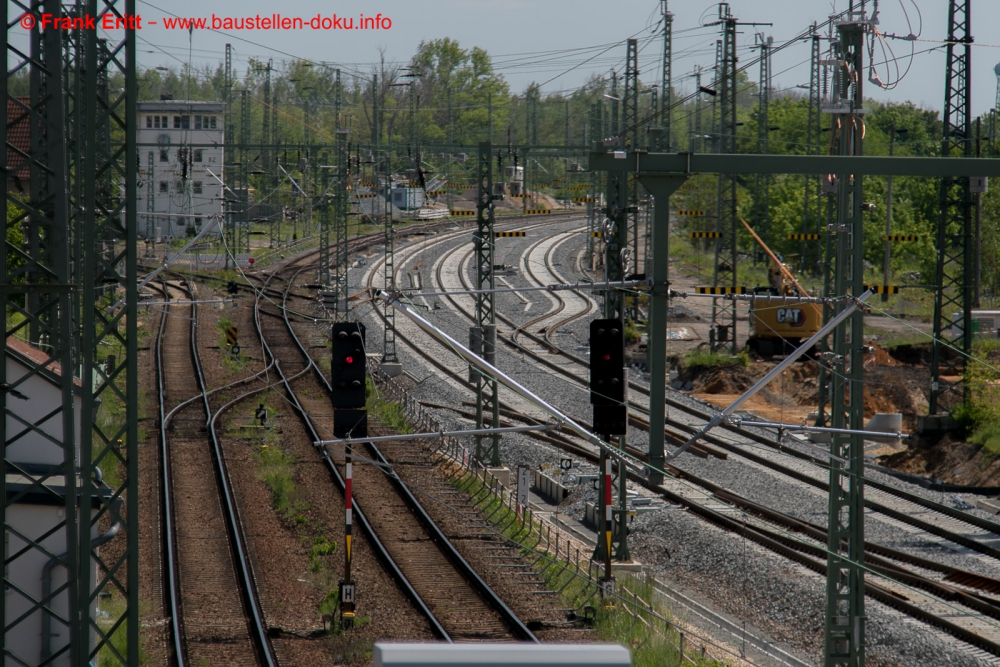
(581, 200)
(231, 339)
(883, 289)
(504, 235)
(461, 212)
(902, 237)
(706, 235)
(537, 211)
(721, 290)
(804, 237)
(690, 213)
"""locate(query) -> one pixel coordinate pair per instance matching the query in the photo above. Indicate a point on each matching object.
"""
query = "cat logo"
(793, 316)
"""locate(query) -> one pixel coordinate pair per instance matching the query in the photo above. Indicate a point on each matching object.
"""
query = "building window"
(149, 121)
(197, 122)
(177, 122)
(164, 155)
(164, 186)
(163, 122)
(197, 187)
(197, 154)
(185, 122)
(212, 122)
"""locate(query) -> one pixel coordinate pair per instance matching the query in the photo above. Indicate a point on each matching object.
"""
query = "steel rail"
(791, 548)
(248, 592)
(172, 589)
(515, 625)
(234, 526)
(379, 548)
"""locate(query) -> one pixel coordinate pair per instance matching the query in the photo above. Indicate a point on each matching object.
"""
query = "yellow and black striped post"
(692, 214)
(720, 290)
(883, 289)
(804, 237)
(537, 211)
(506, 235)
(902, 237)
(706, 235)
(461, 213)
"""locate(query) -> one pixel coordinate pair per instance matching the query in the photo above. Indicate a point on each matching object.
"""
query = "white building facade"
(180, 165)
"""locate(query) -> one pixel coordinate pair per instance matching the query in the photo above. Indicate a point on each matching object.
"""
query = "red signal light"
(607, 357)
(349, 360)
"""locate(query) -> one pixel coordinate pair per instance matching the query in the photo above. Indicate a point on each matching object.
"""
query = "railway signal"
(349, 371)
(607, 377)
(232, 287)
(261, 414)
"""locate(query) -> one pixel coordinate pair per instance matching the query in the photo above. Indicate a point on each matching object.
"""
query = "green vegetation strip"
(636, 620)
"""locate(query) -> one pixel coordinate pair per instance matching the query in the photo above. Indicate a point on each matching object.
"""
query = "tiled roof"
(18, 137)
(37, 357)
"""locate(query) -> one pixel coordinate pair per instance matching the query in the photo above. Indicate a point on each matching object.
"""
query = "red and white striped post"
(609, 581)
(347, 584)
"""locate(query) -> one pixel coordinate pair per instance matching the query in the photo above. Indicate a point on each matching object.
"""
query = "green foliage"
(631, 332)
(389, 413)
(617, 624)
(700, 359)
(981, 413)
(275, 469)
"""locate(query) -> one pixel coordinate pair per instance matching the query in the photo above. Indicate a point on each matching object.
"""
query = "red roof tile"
(18, 137)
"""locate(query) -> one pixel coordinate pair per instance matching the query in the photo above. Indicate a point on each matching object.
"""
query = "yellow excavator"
(777, 328)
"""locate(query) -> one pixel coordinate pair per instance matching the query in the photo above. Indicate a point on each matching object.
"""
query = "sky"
(560, 43)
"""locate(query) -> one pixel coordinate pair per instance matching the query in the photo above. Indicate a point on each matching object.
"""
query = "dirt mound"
(949, 461)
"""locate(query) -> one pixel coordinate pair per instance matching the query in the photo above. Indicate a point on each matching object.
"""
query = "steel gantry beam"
(723, 331)
(666, 82)
(845, 581)
(74, 260)
(487, 388)
(228, 153)
(762, 203)
(389, 284)
(340, 209)
(811, 252)
(663, 173)
(954, 274)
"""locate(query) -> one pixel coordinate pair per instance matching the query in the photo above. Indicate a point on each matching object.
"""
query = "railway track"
(938, 607)
(457, 602)
(214, 611)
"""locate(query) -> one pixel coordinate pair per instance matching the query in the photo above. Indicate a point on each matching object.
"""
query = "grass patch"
(109, 610)
(699, 359)
(275, 469)
(389, 413)
(618, 624)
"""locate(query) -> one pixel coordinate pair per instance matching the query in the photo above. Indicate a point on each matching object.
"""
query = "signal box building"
(180, 166)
